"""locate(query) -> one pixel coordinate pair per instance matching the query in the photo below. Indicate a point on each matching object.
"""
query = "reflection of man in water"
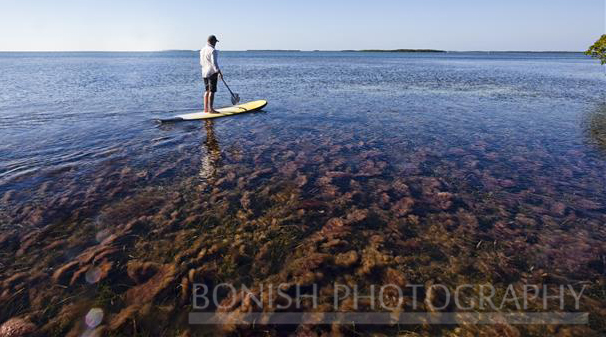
(210, 161)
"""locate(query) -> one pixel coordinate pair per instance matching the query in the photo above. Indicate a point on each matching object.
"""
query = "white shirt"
(208, 61)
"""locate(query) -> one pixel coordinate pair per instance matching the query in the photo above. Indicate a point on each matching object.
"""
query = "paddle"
(235, 98)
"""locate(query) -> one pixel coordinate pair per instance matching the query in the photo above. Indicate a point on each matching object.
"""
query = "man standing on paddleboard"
(210, 72)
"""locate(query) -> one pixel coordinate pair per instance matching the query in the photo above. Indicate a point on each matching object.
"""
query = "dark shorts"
(210, 83)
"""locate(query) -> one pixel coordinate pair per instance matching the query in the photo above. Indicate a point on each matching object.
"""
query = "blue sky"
(307, 25)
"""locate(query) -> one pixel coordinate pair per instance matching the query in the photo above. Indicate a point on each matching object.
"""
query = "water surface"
(447, 151)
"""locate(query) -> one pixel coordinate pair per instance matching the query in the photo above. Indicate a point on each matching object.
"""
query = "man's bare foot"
(213, 111)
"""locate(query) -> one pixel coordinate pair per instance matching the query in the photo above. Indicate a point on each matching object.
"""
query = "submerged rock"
(17, 327)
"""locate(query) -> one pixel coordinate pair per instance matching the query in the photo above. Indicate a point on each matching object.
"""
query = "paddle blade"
(235, 99)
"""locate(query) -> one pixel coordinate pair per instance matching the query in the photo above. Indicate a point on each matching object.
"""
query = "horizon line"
(289, 50)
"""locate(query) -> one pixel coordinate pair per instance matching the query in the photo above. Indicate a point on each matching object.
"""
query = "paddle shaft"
(232, 94)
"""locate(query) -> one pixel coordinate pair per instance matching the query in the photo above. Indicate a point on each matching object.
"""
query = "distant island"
(399, 51)
(275, 50)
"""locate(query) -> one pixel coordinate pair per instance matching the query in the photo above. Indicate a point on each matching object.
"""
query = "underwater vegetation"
(337, 210)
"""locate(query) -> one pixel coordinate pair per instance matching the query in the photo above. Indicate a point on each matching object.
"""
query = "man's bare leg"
(211, 100)
(206, 101)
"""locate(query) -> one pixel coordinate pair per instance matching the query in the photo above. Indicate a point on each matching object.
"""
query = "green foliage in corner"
(598, 49)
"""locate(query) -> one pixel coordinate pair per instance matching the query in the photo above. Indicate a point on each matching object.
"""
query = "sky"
(457, 25)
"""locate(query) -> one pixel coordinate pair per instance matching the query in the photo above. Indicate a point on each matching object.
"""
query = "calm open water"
(510, 138)
(62, 111)
(73, 111)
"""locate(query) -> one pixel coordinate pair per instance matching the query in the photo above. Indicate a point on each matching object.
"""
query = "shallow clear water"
(507, 137)
(74, 112)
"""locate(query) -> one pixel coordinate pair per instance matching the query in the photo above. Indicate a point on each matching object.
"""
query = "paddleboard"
(222, 112)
